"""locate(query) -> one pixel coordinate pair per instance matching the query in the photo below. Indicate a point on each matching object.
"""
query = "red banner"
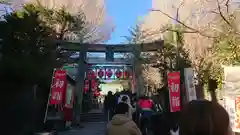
(174, 91)
(59, 86)
(237, 110)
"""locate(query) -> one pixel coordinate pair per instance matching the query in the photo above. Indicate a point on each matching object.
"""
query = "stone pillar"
(137, 68)
(131, 81)
(81, 70)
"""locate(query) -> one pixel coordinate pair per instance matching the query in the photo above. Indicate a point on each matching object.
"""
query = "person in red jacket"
(146, 108)
(145, 103)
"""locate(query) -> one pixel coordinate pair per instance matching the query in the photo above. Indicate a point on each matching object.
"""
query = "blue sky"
(125, 14)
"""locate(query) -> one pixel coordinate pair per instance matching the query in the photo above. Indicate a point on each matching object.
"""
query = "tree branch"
(178, 9)
(186, 26)
(221, 13)
(227, 5)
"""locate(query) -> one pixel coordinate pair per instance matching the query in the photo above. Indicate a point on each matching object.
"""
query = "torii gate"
(135, 49)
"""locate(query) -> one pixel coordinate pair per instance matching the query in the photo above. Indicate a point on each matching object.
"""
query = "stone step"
(93, 117)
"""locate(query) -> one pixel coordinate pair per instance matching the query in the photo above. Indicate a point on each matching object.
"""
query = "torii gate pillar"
(82, 68)
(137, 71)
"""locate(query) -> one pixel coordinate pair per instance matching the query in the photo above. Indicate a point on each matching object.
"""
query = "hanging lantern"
(118, 73)
(91, 74)
(100, 73)
(94, 73)
(109, 73)
(130, 75)
(93, 84)
(126, 74)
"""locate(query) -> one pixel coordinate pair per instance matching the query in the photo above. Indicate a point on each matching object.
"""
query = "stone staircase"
(93, 116)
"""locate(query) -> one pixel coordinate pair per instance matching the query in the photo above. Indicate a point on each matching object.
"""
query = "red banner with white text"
(237, 115)
(59, 85)
(174, 91)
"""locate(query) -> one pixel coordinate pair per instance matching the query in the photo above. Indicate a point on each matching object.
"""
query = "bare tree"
(151, 75)
(98, 25)
(147, 75)
(202, 20)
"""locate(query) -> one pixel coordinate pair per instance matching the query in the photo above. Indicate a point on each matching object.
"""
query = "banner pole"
(108, 115)
(49, 95)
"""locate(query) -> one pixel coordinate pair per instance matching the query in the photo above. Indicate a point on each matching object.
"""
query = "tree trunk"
(213, 96)
(200, 91)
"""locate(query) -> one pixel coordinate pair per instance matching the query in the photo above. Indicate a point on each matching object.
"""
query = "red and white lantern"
(118, 73)
(91, 74)
(100, 73)
(109, 73)
(126, 74)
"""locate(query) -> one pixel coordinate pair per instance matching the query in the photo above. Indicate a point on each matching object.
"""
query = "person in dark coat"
(109, 104)
(159, 99)
(160, 124)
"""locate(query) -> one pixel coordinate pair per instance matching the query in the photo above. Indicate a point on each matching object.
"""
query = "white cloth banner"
(189, 84)
(231, 81)
(231, 109)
